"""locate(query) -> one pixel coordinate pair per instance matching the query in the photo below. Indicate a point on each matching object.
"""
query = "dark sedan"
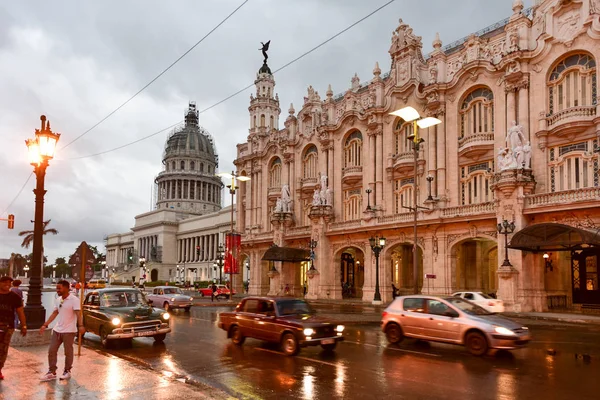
(290, 322)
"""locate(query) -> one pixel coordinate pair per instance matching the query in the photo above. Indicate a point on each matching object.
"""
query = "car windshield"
(293, 307)
(485, 296)
(123, 299)
(466, 307)
(172, 291)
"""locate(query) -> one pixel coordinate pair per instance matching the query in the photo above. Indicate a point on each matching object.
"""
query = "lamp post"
(232, 188)
(41, 151)
(429, 180)
(104, 270)
(220, 261)
(53, 273)
(409, 114)
(506, 228)
(377, 244)
(26, 269)
(142, 271)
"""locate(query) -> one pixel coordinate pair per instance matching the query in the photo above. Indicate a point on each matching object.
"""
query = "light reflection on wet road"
(366, 367)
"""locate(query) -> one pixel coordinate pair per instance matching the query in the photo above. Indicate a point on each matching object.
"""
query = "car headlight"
(308, 332)
(503, 331)
(116, 321)
(172, 298)
(166, 316)
(191, 298)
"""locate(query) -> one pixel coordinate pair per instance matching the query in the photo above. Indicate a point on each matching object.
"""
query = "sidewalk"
(95, 376)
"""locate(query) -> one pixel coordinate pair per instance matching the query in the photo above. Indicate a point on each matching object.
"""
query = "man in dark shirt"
(9, 303)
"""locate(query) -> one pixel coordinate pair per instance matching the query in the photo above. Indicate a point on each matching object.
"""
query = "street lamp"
(26, 269)
(377, 244)
(104, 270)
(429, 180)
(142, 271)
(368, 191)
(232, 188)
(41, 151)
(409, 114)
(506, 228)
(53, 273)
(312, 271)
(220, 261)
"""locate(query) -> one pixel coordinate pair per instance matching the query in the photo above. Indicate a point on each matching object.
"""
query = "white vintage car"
(482, 300)
(169, 298)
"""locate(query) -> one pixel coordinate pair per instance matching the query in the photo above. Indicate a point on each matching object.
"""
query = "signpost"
(84, 256)
(429, 277)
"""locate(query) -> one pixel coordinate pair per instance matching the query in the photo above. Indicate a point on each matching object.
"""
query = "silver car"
(170, 297)
(451, 320)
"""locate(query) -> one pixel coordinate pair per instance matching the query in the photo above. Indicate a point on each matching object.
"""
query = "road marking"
(393, 348)
(298, 357)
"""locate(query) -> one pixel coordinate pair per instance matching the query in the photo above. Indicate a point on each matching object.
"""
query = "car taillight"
(490, 303)
(384, 314)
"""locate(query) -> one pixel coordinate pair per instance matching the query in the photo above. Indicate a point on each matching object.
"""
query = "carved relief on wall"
(572, 220)
(594, 6)
(336, 247)
(403, 72)
(567, 25)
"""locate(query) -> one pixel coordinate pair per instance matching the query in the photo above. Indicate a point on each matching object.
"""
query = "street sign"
(430, 276)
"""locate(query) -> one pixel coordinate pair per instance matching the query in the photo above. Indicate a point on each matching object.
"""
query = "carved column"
(510, 105)
(369, 177)
(524, 108)
(441, 158)
(379, 167)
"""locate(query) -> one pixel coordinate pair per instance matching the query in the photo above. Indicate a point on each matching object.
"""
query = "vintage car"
(170, 297)
(123, 313)
(96, 284)
(287, 321)
(222, 291)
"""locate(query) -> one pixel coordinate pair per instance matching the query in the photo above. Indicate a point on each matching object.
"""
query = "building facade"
(517, 142)
(179, 240)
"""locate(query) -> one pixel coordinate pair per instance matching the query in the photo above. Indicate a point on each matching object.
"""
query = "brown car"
(290, 322)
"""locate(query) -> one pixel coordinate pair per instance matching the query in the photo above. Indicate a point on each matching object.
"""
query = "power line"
(156, 78)
(250, 85)
(18, 194)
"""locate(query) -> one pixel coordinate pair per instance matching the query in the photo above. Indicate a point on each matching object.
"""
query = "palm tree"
(28, 239)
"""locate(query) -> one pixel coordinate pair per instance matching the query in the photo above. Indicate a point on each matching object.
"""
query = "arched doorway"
(154, 275)
(474, 265)
(402, 270)
(352, 273)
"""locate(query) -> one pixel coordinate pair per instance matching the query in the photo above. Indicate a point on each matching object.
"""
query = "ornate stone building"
(518, 103)
(180, 238)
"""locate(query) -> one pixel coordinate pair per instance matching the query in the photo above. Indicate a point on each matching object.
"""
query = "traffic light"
(198, 251)
(129, 255)
(11, 221)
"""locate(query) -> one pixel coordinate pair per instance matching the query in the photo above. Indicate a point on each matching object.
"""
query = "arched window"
(403, 195)
(271, 122)
(254, 121)
(477, 112)
(173, 167)
(201, 167)
(475, 183)
(262, 120)
(353, 150)
(572, 83)
(401, 133)
(182, 165)
(310, 162)
(352, 205)
(275, 173)
(573, 166)
(268, 92)
(192, 165)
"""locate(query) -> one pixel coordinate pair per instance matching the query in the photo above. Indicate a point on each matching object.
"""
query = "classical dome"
(188, 183)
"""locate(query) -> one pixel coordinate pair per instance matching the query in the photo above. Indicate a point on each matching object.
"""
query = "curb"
(580, 321)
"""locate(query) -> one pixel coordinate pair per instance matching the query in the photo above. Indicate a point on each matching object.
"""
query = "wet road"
(563, 362)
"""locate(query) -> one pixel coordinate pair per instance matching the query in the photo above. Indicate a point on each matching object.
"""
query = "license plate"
(140, 333)
(328, 341)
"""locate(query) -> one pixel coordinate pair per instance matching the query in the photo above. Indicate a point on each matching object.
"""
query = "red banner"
(233, 242)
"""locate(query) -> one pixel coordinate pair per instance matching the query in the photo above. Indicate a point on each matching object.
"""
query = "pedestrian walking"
(394, 291)
(67, 312)
(15, 288)
(10, 303)
(214, 293)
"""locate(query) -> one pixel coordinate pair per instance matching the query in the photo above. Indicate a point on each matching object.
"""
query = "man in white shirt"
(67, 309)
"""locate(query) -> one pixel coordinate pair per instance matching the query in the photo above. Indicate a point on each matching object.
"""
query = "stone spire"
(291, 111)
(437, 42)
(329, 92)
(376, 70)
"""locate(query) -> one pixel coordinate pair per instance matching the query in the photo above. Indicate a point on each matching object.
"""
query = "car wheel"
(236, 335)
(187, 309)
(166, 306)
(104, 338)
(289, 344)
(393, 333)
(160, 338)
(329, 347)
(476, 343)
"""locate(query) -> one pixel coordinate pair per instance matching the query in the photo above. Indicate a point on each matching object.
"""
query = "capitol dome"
(188, 182)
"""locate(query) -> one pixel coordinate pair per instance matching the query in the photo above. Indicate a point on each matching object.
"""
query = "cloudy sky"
(77, 61)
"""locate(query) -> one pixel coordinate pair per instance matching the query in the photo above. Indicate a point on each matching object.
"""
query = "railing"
(558, 302)
(188, 172)
(403, 157)
(308, 181)
(274, 190)
(346, 224)
(580, 111)
(351, 170)
(567, 196)
(402, 217)
(299, 230)
(476, 137)
(471, 209)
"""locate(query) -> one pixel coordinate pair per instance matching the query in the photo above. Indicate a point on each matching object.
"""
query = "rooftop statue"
(264, 49)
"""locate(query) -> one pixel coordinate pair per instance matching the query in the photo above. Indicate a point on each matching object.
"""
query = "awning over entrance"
(554, 237)
(289, 254)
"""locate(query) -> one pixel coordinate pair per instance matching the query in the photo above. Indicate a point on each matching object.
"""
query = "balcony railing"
(352, 170)
(572, 112)
(299, 230)
(470, 209)
(567, 196)
(346, 224)
(274, 190)
(402, 217)
(476, 138)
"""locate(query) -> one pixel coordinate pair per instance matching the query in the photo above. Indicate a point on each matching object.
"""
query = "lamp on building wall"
(312, 271)
(548, 262)
(429, 180)
(272, 271)
(368, 191)
(377, 244)
(506, 228)
(41, 151)
(409, 114)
